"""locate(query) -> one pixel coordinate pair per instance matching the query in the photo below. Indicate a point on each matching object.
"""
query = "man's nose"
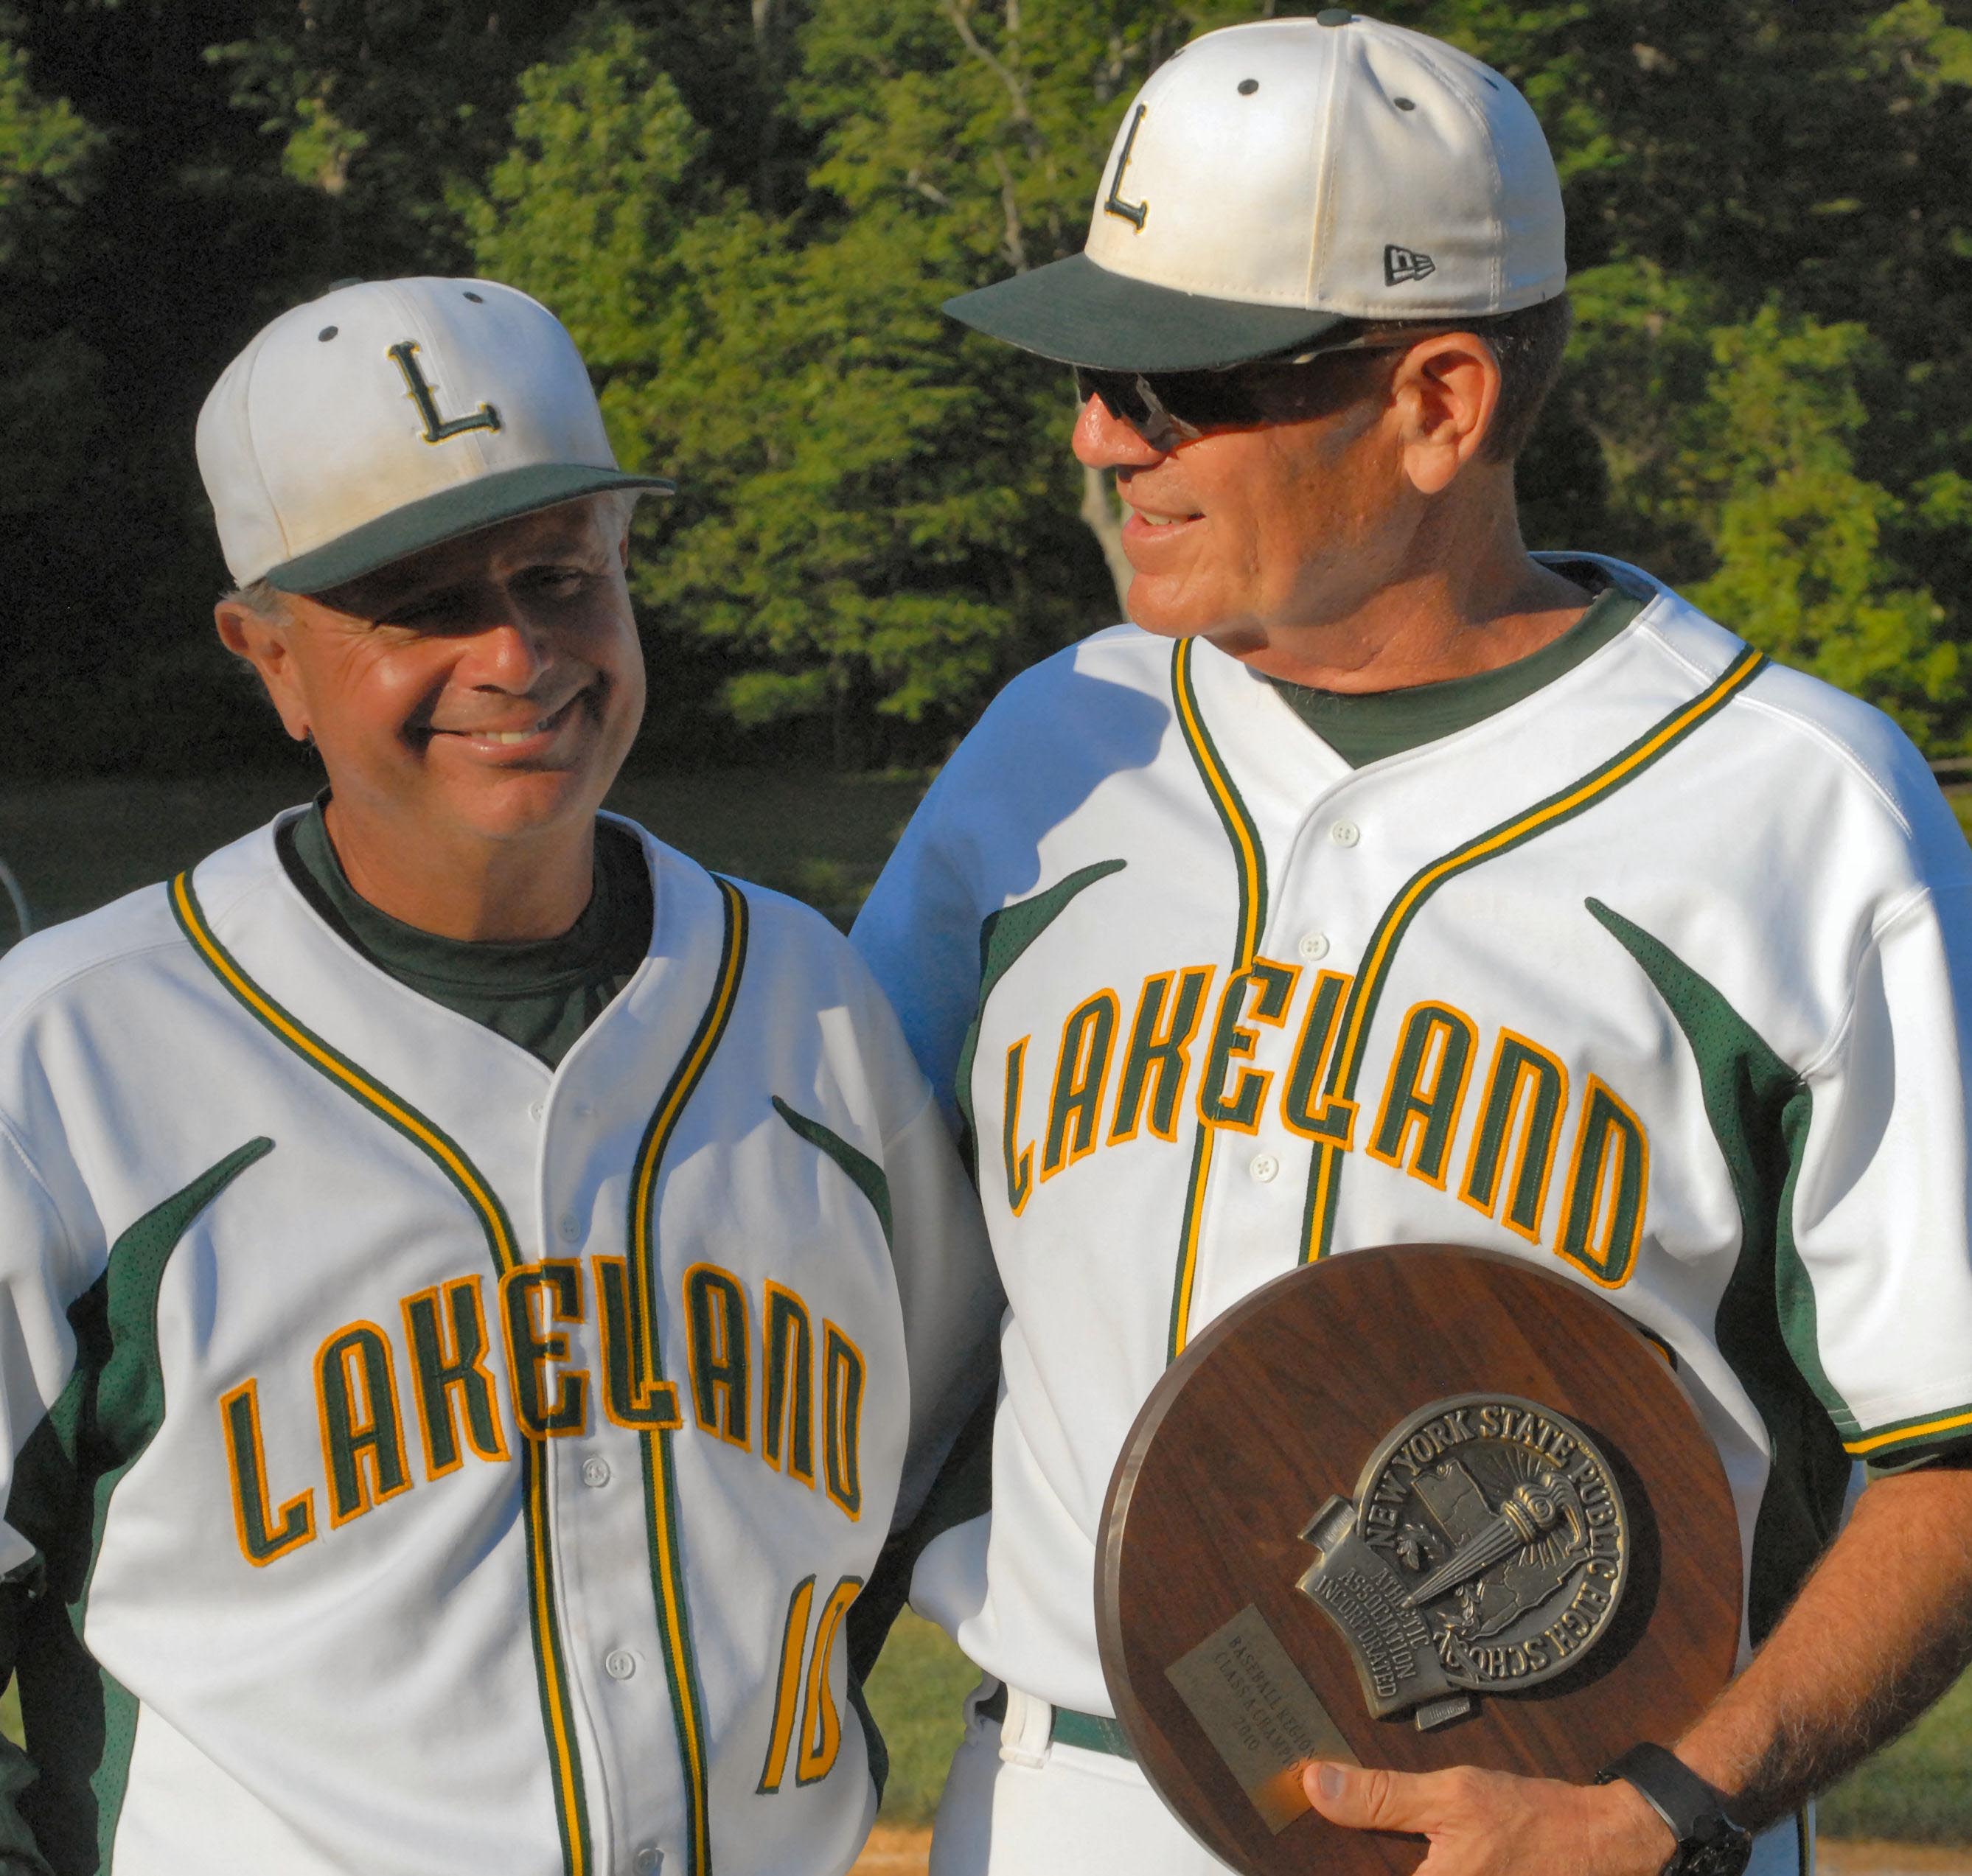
(1103, 441)
(512, 651)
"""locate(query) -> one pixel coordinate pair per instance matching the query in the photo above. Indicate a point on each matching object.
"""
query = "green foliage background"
(747, 215)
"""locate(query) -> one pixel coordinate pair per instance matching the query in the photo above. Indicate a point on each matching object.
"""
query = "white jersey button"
(595, 1472)
(1345, 834)
(1314, 946)
(1264, 1166)
(536, 1109)
(646, 1859)
(570, 1228)
(619, 1664)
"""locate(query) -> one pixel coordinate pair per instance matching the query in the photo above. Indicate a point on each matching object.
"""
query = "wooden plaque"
(1421, 1507)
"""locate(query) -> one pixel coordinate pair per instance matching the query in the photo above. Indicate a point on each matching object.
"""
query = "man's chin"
(529, 803)
(1153, 606)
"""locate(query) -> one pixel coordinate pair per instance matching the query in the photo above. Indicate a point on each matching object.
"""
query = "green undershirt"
(1364, 726)
(541, 992)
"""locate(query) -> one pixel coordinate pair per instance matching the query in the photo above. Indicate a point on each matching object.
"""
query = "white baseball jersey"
(438, 1463)
(1659, 978)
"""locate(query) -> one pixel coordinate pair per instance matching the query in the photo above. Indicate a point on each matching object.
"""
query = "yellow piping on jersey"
(1951, 1422)
(660, 1495)
(191, 916)
(1193, 1215)
(663, 1123)
(1324, 1178)
(302, 1042)
(1349, 1060)
(1239, 824)
(568, 1797)
(1247, 858)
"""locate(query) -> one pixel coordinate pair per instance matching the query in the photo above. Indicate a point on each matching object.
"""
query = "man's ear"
(263, 644)
(1447, 389)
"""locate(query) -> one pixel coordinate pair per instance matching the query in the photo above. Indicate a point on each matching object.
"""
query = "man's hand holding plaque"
(1477, 1823)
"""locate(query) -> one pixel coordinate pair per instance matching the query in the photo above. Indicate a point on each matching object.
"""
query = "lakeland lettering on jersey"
(369, 1384)
(1137, 1074)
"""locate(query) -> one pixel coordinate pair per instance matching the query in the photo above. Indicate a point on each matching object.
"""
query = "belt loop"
(1023, 1733)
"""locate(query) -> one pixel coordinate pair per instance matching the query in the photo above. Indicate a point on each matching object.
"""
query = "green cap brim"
(1083, 315)
(482, 503)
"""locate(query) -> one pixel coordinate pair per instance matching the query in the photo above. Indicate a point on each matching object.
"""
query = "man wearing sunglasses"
(1382, 881)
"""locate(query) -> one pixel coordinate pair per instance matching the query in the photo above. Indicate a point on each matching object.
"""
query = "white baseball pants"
(1015, 1805)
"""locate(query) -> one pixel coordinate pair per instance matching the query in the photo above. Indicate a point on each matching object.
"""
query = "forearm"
(1880, 1629)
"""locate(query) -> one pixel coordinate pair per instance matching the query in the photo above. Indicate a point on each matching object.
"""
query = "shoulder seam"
(12, 1140)
(1849, 756)
(1898, 910)
(771, 898)
(1645, 627)
(928, 1102)
(14, 1018)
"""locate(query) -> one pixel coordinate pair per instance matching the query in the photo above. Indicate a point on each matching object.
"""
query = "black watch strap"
(1707, 1837)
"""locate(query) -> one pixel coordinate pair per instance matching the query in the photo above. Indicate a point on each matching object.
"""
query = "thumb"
(1364, 1800)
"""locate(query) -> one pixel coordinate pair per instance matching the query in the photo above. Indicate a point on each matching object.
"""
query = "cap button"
(1333, 16)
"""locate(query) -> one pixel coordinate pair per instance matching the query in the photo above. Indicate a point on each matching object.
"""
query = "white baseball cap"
(389, 415)
(1273, 181)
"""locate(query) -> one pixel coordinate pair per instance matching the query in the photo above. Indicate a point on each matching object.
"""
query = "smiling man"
(476, 1288)
(1383, 882)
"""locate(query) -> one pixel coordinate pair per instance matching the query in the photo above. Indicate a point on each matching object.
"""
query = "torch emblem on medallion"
(1486, 1550)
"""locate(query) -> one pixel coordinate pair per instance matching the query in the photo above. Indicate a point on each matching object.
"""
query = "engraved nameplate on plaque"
(1254, 1705)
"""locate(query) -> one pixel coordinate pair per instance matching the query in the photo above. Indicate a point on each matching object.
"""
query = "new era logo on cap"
(389, 415)
(1250, 192)
(1402, 263)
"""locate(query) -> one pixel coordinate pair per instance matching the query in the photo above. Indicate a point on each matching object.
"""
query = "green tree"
(750, 216)
(51, 409)
(1799, 537)
(55, 419)
(1770, 396)
(966, 137)
(958, 141)
(384, 109)
(848, 504)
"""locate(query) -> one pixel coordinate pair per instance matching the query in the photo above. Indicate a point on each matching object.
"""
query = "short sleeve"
(1875, 1280)
(36, 1354)
(919, 932)
(949, 1291)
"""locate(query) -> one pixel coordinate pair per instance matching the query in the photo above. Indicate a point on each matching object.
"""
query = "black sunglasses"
(1167, 408)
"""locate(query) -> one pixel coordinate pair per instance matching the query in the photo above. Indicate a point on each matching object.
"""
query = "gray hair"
(260, 597)
(619, 504)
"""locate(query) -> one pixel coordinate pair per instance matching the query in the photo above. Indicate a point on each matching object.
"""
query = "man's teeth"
(1160, 520)
(514, 736)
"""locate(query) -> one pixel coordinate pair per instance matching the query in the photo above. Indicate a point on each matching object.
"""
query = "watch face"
(1725, 1853)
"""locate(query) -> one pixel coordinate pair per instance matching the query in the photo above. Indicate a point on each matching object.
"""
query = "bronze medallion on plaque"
(1486, 1550)
(1414, 1507)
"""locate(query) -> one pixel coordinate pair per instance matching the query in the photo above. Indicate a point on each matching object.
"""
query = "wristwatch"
(1709, 1842)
